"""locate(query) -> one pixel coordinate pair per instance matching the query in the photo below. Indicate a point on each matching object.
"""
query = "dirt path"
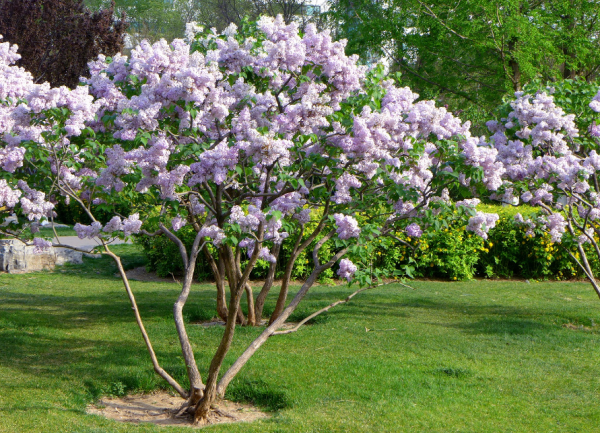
(160, 408)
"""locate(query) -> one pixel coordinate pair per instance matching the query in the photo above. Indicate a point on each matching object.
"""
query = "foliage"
(452, 253)
(57, 38)
(468, 54)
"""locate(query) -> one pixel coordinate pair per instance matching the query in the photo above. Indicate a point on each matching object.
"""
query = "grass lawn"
(446, 357)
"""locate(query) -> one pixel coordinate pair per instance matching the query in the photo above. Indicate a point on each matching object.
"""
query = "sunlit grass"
(478, 356)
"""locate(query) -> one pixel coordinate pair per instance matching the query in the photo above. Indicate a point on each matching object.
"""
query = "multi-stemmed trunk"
(227, 270)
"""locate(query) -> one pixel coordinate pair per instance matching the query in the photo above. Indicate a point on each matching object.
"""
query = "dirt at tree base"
(160, 408)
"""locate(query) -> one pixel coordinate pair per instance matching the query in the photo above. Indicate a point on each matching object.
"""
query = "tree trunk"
(250, 297)
(264, 336)
(210, 392)
(515, 77)
(232, 282)
(218, 271)
(262, 296)
(221, 298)
(588, 270)
(285, 283)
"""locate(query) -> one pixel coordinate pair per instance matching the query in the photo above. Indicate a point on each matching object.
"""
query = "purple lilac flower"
(347, 226)
(346, 269)
(41, 245)
(177, 223)
(303, 216)
(481, 223)
(213, 232)
(113, 225)
(85, 231)
(132, 224)
(414, 230)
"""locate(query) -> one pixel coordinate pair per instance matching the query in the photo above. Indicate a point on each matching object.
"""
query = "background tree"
(548, 139)
(57, 38)
(156, 19)
(468, 54)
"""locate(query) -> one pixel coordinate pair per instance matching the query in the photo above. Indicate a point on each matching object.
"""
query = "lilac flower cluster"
(88, 231)
(481, 223)
(177, 223)
(595, 103)
(347, 269)
(545, 166)
(347, 226)
(130, 225)
(214, 232)
(554, 224)
(41, 245)
(414, 230)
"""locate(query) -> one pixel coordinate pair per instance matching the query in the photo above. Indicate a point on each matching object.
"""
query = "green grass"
(477, 356)
(61, 231)
(49, 233)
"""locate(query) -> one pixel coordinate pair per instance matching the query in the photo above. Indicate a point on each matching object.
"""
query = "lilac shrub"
(248, 137)
(551, 163)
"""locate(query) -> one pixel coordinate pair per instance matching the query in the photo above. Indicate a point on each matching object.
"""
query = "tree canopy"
(470, 53)
(57, 38)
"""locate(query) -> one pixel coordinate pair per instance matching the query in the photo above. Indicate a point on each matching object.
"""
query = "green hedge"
(452, 254)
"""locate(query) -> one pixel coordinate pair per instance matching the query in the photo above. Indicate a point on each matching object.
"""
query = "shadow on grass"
(259, 393)
(506, 326)
(105, 368)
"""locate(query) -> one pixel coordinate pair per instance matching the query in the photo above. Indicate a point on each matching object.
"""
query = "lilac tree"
(552, 163)
(249, 137)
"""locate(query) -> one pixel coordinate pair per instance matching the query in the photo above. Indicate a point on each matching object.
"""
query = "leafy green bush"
(450, 253)
(164, 258)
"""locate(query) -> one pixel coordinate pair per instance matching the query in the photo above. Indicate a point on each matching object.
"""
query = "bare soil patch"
(574, 327)
(160, 408)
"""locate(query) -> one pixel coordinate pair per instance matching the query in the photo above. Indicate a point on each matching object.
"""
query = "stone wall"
(17, 258)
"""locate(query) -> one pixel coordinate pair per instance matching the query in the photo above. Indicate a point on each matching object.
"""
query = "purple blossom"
(34, 203)
(177, 223)
(265, 254)
(303, 216)
(41, 245)
(343, 185)
(197, 208)
(595, 104)
(470, 203)
(481, 223)
(8, 197)
(556, 225)
(88, 231)
(113, 225)
(346, 269)
(131, 224)
(288, 203)
(247, 223)
(414, 230)
(347, 226)
(214, 233)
